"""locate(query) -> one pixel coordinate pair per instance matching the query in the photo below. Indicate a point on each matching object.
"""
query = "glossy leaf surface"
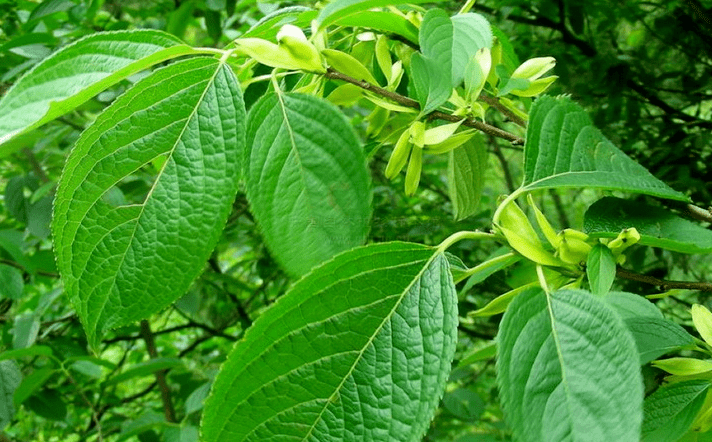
(123, 263)
(359, 349)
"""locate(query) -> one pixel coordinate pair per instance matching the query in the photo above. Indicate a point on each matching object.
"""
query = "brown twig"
(699, 213)
(160, 375)
(663, 284)
(494, 102)
(409, 102)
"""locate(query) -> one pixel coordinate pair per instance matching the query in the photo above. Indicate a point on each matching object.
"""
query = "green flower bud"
(534, 68)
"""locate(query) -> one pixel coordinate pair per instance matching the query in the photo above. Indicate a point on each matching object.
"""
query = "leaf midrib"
(218, 67)
(418, 277)
(303, 326)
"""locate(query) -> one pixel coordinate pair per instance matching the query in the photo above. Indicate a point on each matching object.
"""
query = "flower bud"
(399, 155)
(536, 87)
(293, 39)
(534, 68)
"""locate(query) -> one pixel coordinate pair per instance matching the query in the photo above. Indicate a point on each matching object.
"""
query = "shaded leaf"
(143, 369)
(30, 384)
(49, 404)
(11, 282)
(359, 349)
(670, 411)
(466, 176)
(657, 227)
(10, 377)
(655, 337)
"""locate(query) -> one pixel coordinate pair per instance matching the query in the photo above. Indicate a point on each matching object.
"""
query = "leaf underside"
(359, 349)
(568, 369)
(564, 149)
(123, 263)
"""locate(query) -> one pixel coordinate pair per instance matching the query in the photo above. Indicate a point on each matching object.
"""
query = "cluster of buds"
(570, 247)
(416, 139)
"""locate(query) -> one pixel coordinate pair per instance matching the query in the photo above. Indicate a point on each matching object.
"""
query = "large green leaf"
(307, 180)
(342, 8)
(564, 149)
(670, 411)
(466, 176)
(657, 226)
(568, 369)
(77, 72)
(122, 263)
(359, 349)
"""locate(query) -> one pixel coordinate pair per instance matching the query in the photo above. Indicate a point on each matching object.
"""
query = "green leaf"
(563, 149)
(568, 369)
(382, 21)
(655, 337)
(268, 26)
(464, 404)
(483, 271)
(466, 176)
(196, 400)
(471, 32)
(339, 9)
(481, 354)
(10, 377)
(11, 282)
(12, 242)
(77, 72)
(122, 263)
(600, 269)
(25, 330)
(670, 411)
(347, 64)
(657, 226)
(184, 433)
(629, 305)
(359, 349)
(35, 350)
(30, 384)
(49, 404)
(144, 369)
(308, 183)
(432, 84)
